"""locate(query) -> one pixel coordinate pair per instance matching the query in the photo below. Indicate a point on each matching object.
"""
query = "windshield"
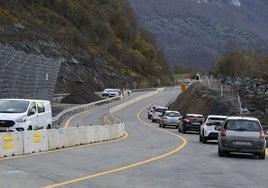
(13, 106)
(216, 121)
(242, 125)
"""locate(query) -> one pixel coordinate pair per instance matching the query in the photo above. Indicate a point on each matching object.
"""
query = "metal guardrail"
(111, 118)
(77, 109)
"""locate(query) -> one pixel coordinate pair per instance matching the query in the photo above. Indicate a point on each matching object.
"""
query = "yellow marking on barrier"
(8, 138)
(37, 134)
(37, 139)
(184, 142)
(266, 151)
(8, 145)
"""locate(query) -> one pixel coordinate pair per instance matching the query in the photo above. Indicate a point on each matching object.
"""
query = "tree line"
(242, 63)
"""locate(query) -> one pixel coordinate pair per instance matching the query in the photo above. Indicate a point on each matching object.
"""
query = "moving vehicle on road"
(191, 122)
(150, 111)
(209, 130)
(24, 114)
(170, 118)
(158, 112)
(111, 92)
(243, 135)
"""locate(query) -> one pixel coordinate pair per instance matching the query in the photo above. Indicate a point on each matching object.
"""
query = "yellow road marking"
(184, 142)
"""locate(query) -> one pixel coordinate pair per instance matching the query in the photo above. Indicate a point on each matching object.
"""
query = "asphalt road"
(148, 156)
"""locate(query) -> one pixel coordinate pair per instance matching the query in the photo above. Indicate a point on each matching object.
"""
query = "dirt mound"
(202, 100)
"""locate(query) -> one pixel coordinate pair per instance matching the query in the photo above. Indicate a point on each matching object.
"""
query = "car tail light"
(223, 131)
(187, 121)
(261, 134)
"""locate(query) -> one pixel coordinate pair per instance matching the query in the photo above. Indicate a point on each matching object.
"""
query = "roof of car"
(242, 117)
(194, 115)
(162, 107)
(169, 111)
(216, 116)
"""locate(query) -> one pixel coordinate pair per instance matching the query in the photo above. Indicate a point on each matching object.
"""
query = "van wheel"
(29, 128)
(49, 127)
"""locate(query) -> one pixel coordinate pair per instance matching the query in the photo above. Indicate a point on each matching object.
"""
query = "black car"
(191, 122)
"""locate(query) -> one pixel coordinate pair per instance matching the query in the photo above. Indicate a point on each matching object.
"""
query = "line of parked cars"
(239, 134)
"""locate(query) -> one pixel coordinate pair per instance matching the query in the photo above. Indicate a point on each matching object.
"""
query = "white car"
(158, 112)
(111, 92)
(209, 130)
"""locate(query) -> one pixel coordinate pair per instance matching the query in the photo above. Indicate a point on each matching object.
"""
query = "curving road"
(148, 156)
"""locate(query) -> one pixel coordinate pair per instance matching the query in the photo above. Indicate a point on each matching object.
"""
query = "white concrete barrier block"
(74, 139)
(11, 144)
(114, 131)
(106, 135)
(97, 134)
(82, 135)
(35, 141)
(90, 130)
(121, 130)
(57, 138)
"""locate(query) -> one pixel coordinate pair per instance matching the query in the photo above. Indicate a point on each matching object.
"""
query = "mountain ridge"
(195, 32)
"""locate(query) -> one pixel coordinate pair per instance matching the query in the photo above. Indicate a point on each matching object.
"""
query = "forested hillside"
(195, 32)
(100, 43)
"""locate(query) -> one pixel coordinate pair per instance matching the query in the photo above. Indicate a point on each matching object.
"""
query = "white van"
(25, 114)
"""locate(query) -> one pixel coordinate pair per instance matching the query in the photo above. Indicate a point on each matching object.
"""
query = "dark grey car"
(243, 135)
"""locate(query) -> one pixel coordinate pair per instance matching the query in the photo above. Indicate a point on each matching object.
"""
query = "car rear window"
(217, 121)
(173, 114)
(242, 125)
(201, 118)
(161, 109)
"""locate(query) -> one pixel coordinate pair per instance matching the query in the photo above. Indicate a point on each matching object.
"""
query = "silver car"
(170, 118)
(157, 113)
(241, 134)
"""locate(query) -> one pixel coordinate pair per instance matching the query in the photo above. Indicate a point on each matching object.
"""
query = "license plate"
(242, 143)
(196, 123)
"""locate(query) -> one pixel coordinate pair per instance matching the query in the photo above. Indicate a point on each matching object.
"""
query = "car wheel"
(200, 138)
(29, 128)
(183, 129)
(179, 130)
(160, 125)
(220, 152)
(262, 155)
(204, 140)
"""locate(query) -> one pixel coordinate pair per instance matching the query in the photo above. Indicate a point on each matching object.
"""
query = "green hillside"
(79, 28)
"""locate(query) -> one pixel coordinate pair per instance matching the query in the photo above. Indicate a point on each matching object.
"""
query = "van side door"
(32, 117)
(42, 115)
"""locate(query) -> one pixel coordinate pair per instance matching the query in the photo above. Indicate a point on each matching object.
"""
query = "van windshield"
(13, 106)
